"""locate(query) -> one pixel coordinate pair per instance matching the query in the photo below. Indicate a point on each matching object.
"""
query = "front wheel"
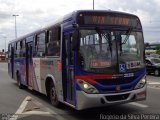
(19, 81)
(53, 96)
(156, 72)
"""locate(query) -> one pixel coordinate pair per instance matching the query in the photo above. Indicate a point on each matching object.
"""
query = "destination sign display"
(120, 20)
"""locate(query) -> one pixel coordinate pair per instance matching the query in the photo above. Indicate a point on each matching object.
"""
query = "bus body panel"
(47, 67)
(19, 67)
(100, 100)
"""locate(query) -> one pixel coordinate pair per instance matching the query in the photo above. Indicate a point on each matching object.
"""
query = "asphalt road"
(32, 105)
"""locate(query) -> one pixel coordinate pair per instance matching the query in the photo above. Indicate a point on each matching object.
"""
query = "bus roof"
(72, 16)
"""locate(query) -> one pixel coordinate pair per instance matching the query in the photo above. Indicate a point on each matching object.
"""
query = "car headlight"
(86, 87)
(141, 83)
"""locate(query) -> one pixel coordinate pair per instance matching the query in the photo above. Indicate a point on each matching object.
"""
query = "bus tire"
(53, 96)
(19, 81)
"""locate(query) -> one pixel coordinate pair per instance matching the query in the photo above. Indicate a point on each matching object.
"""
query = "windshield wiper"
(107, 37)
(127, 35)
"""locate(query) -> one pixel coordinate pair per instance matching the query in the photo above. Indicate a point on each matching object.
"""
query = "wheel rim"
(156, 72)
(53, 96)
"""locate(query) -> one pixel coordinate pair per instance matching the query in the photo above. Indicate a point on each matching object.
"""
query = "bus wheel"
(53, 96)
(156, 72)
(19, 81)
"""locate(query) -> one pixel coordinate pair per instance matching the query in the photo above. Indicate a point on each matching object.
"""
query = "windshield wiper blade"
(101, 33)
(128, 34)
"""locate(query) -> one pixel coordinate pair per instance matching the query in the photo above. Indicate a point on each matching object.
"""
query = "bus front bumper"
(85, 100)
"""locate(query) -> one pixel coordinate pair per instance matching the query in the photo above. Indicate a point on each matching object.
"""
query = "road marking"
(154, 87)
(153, 83)
(139, 105)
(21, 110)
(37, 113)
(50, 111)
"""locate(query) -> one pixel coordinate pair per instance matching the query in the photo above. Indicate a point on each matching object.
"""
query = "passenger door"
(29, 63)
(68, 69)
(12, 61)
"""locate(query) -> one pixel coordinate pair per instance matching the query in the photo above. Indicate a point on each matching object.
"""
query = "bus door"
(12, 61)
(68, 69)
(29, 63)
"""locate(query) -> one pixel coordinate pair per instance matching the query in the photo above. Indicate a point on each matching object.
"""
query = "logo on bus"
(122, 68)
(118, 88)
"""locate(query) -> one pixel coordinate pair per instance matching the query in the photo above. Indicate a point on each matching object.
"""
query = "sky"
(34, 14)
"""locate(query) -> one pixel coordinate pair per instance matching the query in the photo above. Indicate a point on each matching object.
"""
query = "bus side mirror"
(75, 42)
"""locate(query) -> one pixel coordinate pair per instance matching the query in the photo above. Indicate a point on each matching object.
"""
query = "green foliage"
(158, 49)
(158, 52)
(146, 45)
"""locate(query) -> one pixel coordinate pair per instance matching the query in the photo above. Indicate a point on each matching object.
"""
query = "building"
(2, 56)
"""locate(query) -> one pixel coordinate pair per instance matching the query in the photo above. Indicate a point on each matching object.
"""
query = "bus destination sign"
(110, 20)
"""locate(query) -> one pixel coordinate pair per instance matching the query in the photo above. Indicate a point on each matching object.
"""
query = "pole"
(15, 25)
(93, 4)
(5, 38)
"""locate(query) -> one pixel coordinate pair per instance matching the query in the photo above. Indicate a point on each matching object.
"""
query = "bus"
(89, 58)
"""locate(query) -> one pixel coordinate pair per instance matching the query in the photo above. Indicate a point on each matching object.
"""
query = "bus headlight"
(86, 87)
(141, 83)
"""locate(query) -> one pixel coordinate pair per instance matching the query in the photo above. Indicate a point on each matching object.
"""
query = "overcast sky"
(34, 14)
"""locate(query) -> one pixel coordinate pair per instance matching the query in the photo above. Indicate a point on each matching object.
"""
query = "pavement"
(32, 109)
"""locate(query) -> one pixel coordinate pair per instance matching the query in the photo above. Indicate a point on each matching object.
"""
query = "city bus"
(88, 58)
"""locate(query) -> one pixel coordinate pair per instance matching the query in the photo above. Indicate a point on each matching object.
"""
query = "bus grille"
(110, 85)
(115, 81)
(117, 97)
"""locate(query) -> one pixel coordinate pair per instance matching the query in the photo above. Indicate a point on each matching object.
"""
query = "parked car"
(153, 65)
(153, 55)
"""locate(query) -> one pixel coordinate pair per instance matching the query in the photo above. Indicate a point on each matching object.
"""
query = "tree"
(158, 49)
(146, 44)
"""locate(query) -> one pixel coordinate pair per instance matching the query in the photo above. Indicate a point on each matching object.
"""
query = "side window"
(15, 50)
(24, 48)
(71, 51)
(18, 49)
(40, 45)
(53, 45)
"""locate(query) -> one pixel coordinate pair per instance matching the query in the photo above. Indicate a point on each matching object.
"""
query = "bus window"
(53, 45)
(23, 48)
(130, 46)
(40, 45)
(18, 49)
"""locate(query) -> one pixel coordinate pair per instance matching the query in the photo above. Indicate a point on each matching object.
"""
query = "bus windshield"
(104, 51)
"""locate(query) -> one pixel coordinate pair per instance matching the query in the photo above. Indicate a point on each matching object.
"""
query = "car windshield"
(104, 51)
